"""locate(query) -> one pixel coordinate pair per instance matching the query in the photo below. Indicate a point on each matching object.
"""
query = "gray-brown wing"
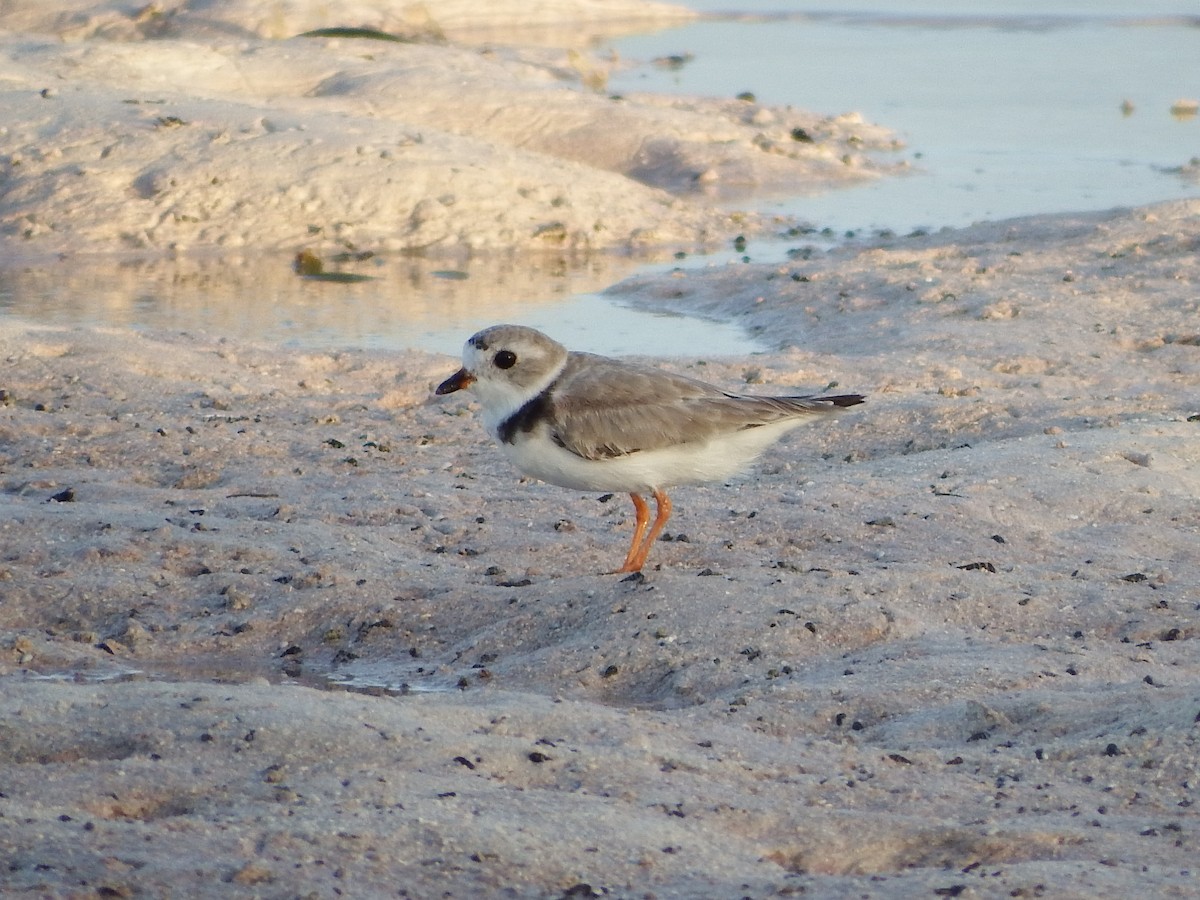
(601, 408)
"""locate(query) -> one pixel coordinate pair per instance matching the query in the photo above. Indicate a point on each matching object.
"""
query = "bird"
(595, 423)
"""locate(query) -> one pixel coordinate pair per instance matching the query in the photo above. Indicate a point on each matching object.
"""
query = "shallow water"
(402, 303)
(1007, 109)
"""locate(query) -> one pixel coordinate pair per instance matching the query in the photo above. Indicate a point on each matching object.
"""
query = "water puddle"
(396, 304)
(1005, 111)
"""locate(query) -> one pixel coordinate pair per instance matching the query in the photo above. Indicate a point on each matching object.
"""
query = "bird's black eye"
(505, 359)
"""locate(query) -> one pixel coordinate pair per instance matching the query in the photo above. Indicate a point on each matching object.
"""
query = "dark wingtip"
(844, 400)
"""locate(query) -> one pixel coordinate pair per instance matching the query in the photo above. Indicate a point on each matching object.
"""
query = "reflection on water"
(381, 679)
(88, 676)
(390, 680)
(426, 304)
(396, 680)
(1009, 108)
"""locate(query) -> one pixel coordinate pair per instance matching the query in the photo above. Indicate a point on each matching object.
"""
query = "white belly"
(645, 470)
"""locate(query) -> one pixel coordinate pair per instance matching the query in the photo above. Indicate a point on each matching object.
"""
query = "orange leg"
(642, 542)
(639, 529)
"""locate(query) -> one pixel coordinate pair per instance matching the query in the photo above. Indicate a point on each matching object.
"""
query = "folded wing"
(608, 408)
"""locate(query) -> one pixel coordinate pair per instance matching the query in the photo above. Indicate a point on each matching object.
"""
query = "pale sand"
(945, 644)
(947, 641)
(216, 139)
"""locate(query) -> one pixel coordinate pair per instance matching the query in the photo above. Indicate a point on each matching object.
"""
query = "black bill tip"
(456, 382)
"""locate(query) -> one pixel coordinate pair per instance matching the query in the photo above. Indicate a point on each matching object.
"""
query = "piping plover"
(598, 424)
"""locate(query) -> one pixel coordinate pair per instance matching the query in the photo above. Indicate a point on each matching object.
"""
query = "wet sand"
(946, 641)
(279, 623)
